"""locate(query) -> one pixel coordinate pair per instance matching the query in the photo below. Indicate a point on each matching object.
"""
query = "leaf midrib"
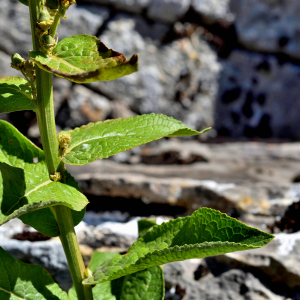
(68, 150)
(11, 293)
(63, 61)
(31, 191)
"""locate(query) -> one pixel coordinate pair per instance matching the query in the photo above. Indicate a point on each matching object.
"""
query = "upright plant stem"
(46, 122)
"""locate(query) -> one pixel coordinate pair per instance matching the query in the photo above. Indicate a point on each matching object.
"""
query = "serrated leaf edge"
(180, 248)
(83, 127)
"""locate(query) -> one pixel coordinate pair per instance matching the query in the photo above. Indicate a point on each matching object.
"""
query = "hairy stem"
(70, 244)
(46, 122)
(53, 29)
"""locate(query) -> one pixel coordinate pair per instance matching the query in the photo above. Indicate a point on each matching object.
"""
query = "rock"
(15, 24)
(233, 284)
(269, 26)
(168, 10)
(15, 28)
(97, 238)
(136, 6)
(279, 272)
(250, 101)
(213, 10)
(11, 228)
(82, 107)
(5, 68)
(183, 192)
(170, 75)
(83, 19)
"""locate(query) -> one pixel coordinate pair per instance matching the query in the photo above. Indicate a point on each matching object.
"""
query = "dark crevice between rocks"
(96, 89)
(31, 236)
(290, 221)
(23, 120)
(135, 207)
(276, 282)
(220, 34)
(171, 158)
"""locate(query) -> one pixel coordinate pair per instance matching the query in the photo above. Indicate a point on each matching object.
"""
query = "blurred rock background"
(233, 65)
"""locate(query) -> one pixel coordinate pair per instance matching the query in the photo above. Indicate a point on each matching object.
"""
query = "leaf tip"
(134, 59)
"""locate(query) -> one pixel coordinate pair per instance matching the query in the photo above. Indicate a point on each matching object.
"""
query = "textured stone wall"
(232, 64)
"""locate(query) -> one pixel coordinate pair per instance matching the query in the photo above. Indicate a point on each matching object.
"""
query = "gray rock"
(15, 24)
(15, 28)
(5, 68)
(233, 284)
(184, 192)
(268, 25)
(86, 106)
(168, 10)
(135, 6)
(96, 238)
(257, 93)
(213, 10)
(83, 19)
(167, 72)
(279, 271)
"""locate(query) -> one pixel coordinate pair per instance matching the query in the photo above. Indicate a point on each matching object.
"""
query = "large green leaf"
(15, 95)
(104, 139)
(143, 285)
(21, 281)
(206, 232)
(84, 58)
(25, 185)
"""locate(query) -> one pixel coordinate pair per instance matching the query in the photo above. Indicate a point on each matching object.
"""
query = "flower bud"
(16, 59)
(44, 16)
(47, 40)
(45, 21)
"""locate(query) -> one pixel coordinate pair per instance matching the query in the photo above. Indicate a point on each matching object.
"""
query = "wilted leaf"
(84, 58)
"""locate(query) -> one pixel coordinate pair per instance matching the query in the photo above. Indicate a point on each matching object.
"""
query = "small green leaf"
(21, 281)
(205, 233)
(103, 139)
(84, 58)
(25, 185)
(15, 95)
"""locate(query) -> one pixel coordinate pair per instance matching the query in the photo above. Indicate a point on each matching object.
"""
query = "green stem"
(53, 29)
(46, 122)
(70, 244)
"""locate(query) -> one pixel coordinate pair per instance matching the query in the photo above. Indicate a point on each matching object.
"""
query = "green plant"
(36, 188)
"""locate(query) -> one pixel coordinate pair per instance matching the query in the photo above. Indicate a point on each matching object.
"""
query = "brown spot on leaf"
(134, 59)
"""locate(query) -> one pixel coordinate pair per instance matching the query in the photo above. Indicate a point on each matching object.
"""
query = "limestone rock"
(15, 24)
(268, 25)
(168, 10)
(183, 283)
(170, 75)
(213, 10)
(5, 67)
(81, 107)
(257, 93)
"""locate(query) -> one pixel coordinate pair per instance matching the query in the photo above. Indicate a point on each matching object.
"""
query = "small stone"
(168, 11)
